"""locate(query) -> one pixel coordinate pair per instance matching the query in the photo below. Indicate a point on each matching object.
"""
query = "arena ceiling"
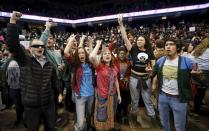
(88, 1)
(81, 2)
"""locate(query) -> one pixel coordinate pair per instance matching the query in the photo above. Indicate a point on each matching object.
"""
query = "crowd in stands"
(184, 30)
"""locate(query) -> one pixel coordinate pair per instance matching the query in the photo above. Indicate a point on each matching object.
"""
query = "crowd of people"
(105, 71)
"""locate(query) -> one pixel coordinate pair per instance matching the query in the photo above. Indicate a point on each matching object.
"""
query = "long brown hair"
(204, 44)
(77, 61)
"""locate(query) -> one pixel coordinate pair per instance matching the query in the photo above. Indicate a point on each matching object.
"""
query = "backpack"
(3, 76)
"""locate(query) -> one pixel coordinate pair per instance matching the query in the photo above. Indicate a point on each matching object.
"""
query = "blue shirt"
(87, 88)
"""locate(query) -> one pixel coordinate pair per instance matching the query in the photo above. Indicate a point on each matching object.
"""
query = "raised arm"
(90, 43)
(45, 34)
(123, 33)
(12, 31)
(13, 38)
(93, 54)
(69, 46)
(81, 41)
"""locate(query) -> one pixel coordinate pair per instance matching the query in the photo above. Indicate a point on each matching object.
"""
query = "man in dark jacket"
(37, 79)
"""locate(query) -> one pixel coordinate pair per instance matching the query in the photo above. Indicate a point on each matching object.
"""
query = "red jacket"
(122, 84)
(76, 76)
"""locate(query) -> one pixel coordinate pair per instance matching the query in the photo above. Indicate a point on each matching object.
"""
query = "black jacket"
(37, 83)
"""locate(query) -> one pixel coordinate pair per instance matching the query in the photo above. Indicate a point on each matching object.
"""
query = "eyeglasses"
(37, 46)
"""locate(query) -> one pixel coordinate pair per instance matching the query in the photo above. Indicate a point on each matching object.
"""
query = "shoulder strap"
(185, 62)
(111, 81)
(162, 62)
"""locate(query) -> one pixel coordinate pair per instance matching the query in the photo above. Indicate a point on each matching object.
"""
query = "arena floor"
(7, 117)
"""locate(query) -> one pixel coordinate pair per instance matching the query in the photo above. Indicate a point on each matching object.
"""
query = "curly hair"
(121, 49)
(147, 45)
(204, 44)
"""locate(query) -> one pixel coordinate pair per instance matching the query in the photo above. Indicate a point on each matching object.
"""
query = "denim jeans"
(84, 106)
(179, 110)
(146, 93)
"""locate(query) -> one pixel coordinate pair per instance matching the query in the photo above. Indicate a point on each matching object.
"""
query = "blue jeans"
(146, 93)
(84, 106)
(179, 110)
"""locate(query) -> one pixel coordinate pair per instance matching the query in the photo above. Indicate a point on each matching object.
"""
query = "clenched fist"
(15, 17)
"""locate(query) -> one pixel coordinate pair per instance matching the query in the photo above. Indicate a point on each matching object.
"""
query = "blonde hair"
(204, 44)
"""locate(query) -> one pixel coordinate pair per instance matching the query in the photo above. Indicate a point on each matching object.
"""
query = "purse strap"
(111, 82)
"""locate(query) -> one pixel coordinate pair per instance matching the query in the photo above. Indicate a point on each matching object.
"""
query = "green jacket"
(54, 56)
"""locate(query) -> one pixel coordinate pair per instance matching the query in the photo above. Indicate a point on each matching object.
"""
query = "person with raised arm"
(107, 89)
(54, 56)
(82, 84)
(37, 79)
(139, 82)
(87, 43)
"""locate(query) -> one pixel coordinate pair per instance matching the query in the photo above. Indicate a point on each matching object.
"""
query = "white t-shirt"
(170, 84)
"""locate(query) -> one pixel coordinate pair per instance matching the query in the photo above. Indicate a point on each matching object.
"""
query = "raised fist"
(120, 19)
(99, 42)
(83, 37)
(71, 38)
(90, 39)
(50, 24)
(15, 16)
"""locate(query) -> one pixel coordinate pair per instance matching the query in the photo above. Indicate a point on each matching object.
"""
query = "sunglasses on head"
(37, 46)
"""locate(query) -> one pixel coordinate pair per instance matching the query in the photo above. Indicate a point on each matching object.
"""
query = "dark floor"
(7, 117)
